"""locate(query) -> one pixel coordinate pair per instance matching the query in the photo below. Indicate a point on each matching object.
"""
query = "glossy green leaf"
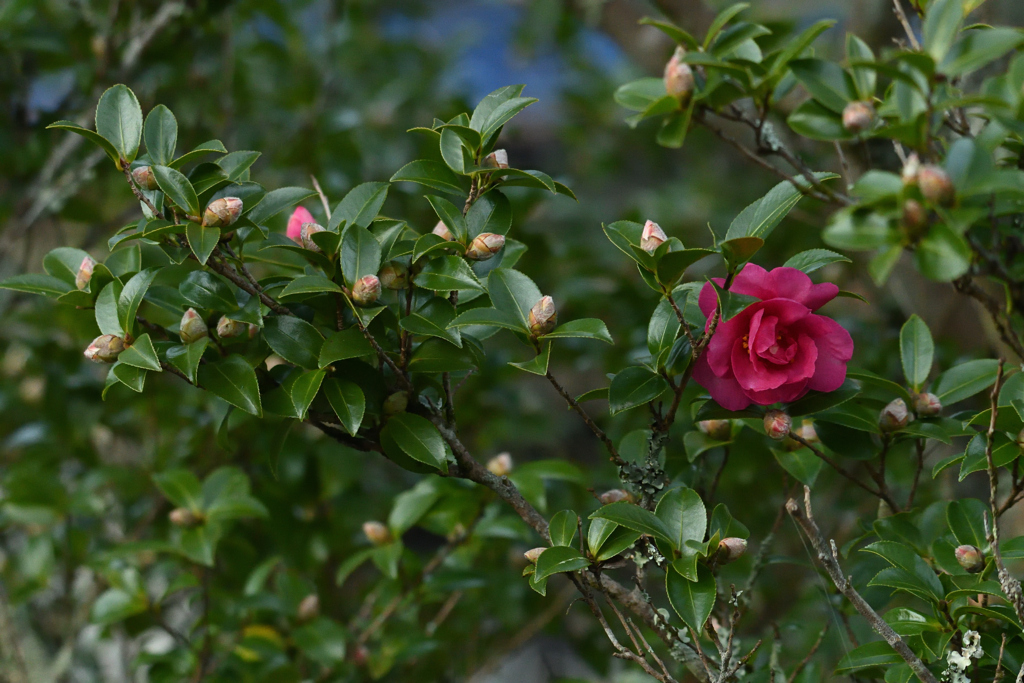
(310, 284)
(37, 283)
(562, 527)
(966, 518)
(451, 216)
(177, 188)
(348, 402)
(107, 312)
(559, 559)
(979, 47)
(206, 290)
(161, 134)
(635, 518)
(202, 240)
(186, 357)
(813, 259)
(432, 174)
(119, 120)
(201, 150)
(360, 206)
(303, 388)
(141, 354)
(448, 273)
(417, 438)
(941, 24)
(633, 387)
(761, 217)
(513, 293)
(276, 201)
(349, 343)
(360, 254)
(684, 515)
(181, 487)
(538, 365)
(827, 82)
(692, 600)
(233, 380)
(916, 351)
(294, 339)
(91, 136)
(433, 319)
(491, 317)
(965, 380)
(584, 328)
(875, 654)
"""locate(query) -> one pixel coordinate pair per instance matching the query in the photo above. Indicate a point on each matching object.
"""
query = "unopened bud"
(442, 231)
(615, 496)
(306, 236)
(533, 553)
(144, 177)
(309, 608)
(84, 274)
(394, 275)
(894, 416)
(500, 465)
(914, 218)
(484, 246)
(911, 169)
(193, 327)
(1020, 439)
(376, 533)
(497, 159)
(227, 328)
(806, 432)
(936, 186)
(222, 212)
(253, 330)
(652, 238)
(104, 348)
(927, 405)
(884, 510)
(543, 316)
(970, 558)
(731, 549)
(184, 517)
(360, 655)
(679, 81)
(396, 403)
(858, 117)
(719, 430)
(366, 290)
(777, 424)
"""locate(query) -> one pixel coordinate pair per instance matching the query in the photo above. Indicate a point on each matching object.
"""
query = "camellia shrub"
(365, 326)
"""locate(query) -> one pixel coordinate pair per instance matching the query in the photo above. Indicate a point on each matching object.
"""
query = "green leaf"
(186, 357)
(276, 201)
(620, 538)
(453, 152)
(760, 217)
(827, 82)
(309, 284)
(131, 296)
(978, 47)
(433, 174)
(177, 188)
(586, 328)
(115, 605)
(817, 401)
(692, 600)
(723, 18)
(209, 147)
(433, 319)
(492, 101)
(233, 380)
(141, 354)
(348, 402)
(732, 303)
(360, 206)
(513, 293)
(108, 316)
(663, 330)
(538, 365)
(161, 134)
(857, 51)
(410, 506)
(870, 655)
(236, 166)
(37, 283)
(199, 544)
(633, 387)
(943, 255)
(132, 377)
(802, 464)
(558, 559)
(813, 259)
(739, 250)
(294, 339)
(672, 265)
(202, 240)
(815, 121)
(206, 290)
(322, 640)
(119, 121)
(487, 316)
(417, 438)
(303, 388)
(635, 518)
(502, 114)
(1004, 452)
(91, 136)
(677, 34)
(941, 23)
(490, 213)
(360, 254)
(562, 527)
(966, 518)
(451, 216)
(916, 350)
(181, 487)
(349, 343)
(965, 380)
(448, 273)
(640, 94)
(684, 515)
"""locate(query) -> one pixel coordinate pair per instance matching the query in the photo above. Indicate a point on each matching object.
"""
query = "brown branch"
(574, 404)
(967, 285)
(884, 495)
(902, 16)
(806, 660)
(323, 197)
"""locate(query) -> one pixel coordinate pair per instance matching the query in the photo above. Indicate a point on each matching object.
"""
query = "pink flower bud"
(652, 238)
(184, 517)
(299, 216)
(911, 169)
(777, 424)
(858, 117)
(144, 177)
(894, 416)
(84, 275)
(497, 159)
(442, 231)
(970, 558)
(306, 236)
(394, 275)
(719, 430)
(936, 186)
(927, 405)
(500, 465)
(914, 218)
(731, 549)
(309, 608)
(543, 316)
(615, 496)
(222, 212)
(532, 554)
(193, 327)
(228, 328)
(484, 246)
(366, 290)
(396, 403)
(376, 533)
(104, 348)
(679, 81)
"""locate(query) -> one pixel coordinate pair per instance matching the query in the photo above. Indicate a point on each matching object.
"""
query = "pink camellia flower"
(776, 349)
(299, 216)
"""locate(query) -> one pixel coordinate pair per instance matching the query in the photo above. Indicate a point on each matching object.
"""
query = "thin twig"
(323, 197)
(838, 468)
(598, 432)
(901, 15)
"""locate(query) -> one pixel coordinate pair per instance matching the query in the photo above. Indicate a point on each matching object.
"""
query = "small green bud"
(366, 290)
(396, 403)
(222, 212)
(394, 275)
(104, 348)
(193, 327)
(970, 558)
(927, 405)
(543, 316)
(228, 328)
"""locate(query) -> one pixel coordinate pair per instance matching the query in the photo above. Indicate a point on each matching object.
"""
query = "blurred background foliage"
(330, 88)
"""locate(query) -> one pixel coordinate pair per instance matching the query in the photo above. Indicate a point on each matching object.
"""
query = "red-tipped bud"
(970, 558)
(652, 237)
(394, 275)
(858, 117)
(84, 274)
(927, 405)
(193, 327)
(616, 496)
(497, 159)
(731, 549)
(777, 424)
(486, 245)
(543, 316)
(914, 218)
(306, 236)
(228, 328)
(366, 290)
(936, 186)
(184, 517)
(396, 403)
(222, 212)
(679, 81)
(910, 170)
(376, 533)
(144, 178)
(532, 554)
(500, 465)
(104, 348)
(442, 231)
(309, 608)
(299, 216)
(719, 430)
(360, 655)
(894, 416)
